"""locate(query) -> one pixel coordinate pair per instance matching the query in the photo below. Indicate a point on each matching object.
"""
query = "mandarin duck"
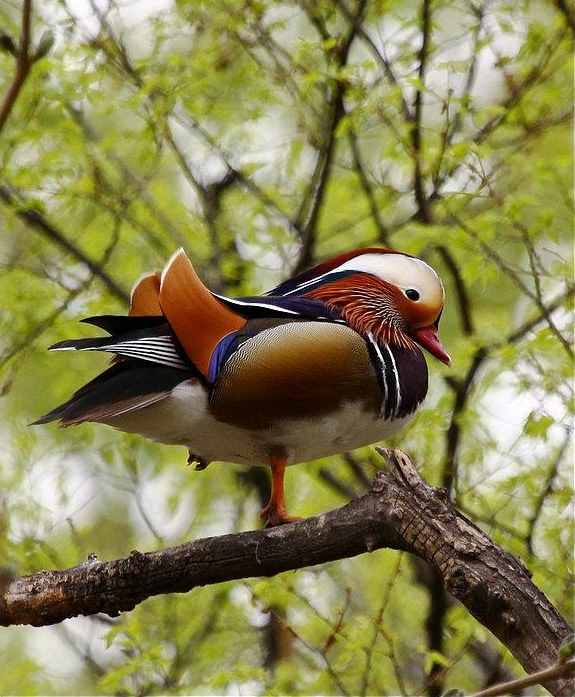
(326, 362)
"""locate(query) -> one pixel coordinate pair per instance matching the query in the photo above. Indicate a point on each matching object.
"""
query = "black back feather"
(118, 324)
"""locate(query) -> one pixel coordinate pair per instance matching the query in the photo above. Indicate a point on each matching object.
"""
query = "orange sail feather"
(198, 319)
(145, 298)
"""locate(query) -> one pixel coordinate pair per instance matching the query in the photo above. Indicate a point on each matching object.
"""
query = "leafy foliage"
(262, 136)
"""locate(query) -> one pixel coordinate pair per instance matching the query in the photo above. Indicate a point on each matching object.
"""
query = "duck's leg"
(275, 511)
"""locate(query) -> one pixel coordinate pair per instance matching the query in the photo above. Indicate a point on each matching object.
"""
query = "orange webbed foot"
(275, 511)
(276, 517)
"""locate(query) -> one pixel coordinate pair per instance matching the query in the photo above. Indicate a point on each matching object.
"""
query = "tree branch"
(34, 218)
(311, 206)
(566, 10)
(559, 669)
(423, 208)
(379, 56)
(23, 64)
(400, 512)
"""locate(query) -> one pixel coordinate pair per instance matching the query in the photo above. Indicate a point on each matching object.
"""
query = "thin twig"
(548, 488)
(559, 670)
(464, 303)
(358, 471)
(139, 186)
(453, 128)
(462, 387)
(498, 261)
(382, 231)
(535, 76)
(28, 339)
(378, 627)
(337, 484)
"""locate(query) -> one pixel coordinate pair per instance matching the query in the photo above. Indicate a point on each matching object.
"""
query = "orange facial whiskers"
(369, 305)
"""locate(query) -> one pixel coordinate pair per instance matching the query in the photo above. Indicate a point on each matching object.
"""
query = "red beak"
(428, 338)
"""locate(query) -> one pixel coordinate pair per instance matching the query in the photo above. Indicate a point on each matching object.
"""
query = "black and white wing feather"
(156, 344)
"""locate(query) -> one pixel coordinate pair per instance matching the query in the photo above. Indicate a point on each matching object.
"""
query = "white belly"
(183, 418)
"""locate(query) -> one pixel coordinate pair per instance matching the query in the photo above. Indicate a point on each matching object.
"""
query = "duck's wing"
(153, 343)
(124, 387)
(148, 364)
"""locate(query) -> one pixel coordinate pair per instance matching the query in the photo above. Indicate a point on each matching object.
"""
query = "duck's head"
(394, 297)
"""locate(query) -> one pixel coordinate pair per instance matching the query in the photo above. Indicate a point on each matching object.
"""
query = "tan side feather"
(145, 298)
(198, 319)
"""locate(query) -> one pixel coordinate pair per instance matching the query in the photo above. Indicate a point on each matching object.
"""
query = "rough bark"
(400, 512)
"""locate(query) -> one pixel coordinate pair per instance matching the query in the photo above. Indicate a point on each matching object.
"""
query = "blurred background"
(263, 137)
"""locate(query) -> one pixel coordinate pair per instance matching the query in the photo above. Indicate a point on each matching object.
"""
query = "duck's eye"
(412, 294)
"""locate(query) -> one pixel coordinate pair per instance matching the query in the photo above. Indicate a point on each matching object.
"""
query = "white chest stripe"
(382, 372)
(396, 375)
(387, 370)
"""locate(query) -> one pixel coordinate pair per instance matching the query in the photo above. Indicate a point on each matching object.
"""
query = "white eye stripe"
(397, 383)
(402, 271)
